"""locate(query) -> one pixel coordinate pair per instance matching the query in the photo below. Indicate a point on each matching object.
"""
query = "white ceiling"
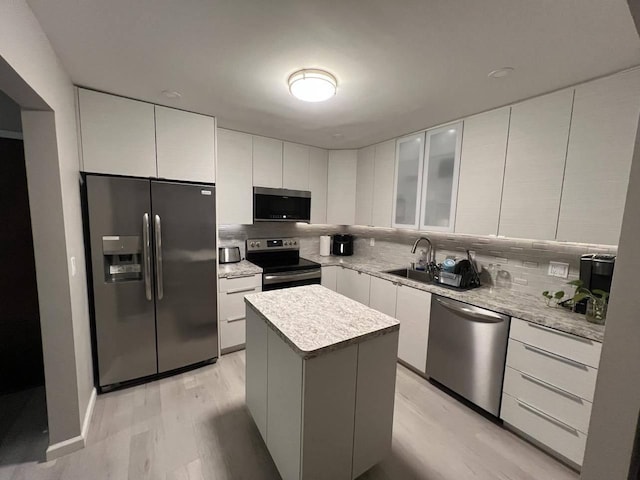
(402, 65)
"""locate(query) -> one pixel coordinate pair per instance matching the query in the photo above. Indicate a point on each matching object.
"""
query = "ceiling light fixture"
(501, 72)
(312, 85)
(171, 94)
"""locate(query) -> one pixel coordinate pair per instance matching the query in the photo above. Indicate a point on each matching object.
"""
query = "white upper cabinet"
(364, 186)
(601, 142)
(408, 181)
(440, 178)
(536, 153)
(185, 145)
(234, 188)
(267, 162)
(484, 149)
(341, 191)
(118, 135)
(318, 177)
(295, 166)
(383, 172)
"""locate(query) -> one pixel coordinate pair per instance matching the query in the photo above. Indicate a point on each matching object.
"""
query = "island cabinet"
(320, 385)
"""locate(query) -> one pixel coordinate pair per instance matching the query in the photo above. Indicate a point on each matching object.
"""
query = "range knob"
(257, 244)
(252, 244)
(295, 243)
(286, 243)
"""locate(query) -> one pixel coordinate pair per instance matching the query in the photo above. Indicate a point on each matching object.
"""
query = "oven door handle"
(273, 278)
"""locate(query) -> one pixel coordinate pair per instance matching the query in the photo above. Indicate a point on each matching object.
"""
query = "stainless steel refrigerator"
(153, 271)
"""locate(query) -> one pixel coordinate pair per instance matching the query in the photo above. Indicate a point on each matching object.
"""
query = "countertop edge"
(307, 354)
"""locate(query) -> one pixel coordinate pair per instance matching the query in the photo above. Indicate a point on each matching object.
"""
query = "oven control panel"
(272, 244)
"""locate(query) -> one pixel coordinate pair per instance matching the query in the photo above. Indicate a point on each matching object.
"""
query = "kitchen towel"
(325, 245)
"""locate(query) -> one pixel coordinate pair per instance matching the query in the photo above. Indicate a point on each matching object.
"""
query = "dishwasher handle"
(471, 312)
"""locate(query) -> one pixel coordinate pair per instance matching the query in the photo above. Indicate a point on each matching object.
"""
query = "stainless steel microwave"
(281, 205)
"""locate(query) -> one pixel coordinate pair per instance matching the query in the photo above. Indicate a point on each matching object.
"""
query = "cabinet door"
(234, 189)
(354, 285)
(536, 153)
(383, 172)
(341, 199)
(256, 370)
(484, 150)
(318, 177)
(364, 186)
(601, 142)
(295, 166)
(118, 135)
(440, 178)
(329, 277)
(185, 144)
(413, 309)
(267, 162)
(382, 296)
(408, 181)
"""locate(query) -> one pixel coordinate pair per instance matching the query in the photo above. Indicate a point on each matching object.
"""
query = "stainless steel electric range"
(281, 264)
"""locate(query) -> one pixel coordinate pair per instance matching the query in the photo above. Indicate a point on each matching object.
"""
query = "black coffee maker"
(596, 273)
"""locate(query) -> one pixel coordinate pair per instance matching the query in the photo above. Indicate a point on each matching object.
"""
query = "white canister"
(325, 245)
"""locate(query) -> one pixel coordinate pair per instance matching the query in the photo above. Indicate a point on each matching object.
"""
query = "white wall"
(52, 171)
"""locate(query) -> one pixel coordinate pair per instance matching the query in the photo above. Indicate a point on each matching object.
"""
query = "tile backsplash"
(523, 264)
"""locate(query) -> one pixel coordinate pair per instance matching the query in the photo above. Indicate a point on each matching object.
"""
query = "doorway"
(23, 411)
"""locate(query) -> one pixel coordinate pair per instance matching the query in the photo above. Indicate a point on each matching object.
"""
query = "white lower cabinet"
(232, 310)
(382, 296)
(413, 309)
(329, 277)
(548, 387)
(353, 284)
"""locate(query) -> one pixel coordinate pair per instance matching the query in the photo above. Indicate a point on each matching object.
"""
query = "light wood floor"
(195, 426)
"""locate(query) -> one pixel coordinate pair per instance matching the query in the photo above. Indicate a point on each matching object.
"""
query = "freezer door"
(119, 213)
(184, 235)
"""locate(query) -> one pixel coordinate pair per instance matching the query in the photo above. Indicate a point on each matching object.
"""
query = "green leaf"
(579, 297)
(576, 283)
(601, 293)
(559, 295)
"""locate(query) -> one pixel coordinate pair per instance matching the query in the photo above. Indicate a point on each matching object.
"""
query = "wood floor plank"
(195, 426)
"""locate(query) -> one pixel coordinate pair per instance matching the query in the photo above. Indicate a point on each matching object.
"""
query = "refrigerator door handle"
(158, 252)
(146, 253)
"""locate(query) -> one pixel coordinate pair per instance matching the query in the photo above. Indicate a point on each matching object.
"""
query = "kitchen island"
(320, 381)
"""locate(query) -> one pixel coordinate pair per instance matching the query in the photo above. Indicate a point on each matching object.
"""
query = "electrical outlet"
(372, 242)
(558, 269)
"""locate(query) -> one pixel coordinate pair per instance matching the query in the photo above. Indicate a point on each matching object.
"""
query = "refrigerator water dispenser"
(122, 258)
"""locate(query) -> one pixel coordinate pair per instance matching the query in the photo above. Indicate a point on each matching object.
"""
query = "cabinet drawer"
(565, 406)
(554, 369)
(232, 306)
(544, 428)
(571, 346)
(232, 334)
(236, 284)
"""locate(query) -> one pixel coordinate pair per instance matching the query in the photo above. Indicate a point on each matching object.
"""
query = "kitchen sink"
(417, 275)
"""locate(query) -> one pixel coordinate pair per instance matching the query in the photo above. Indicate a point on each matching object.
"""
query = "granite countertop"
(502, 300)
(239, 269)
(313, 319)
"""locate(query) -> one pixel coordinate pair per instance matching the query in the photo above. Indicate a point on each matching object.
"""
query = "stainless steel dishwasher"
(467, 349)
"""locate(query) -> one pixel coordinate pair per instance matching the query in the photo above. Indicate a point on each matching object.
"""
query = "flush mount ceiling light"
(501, 72)
(171, 94)
(312, 85)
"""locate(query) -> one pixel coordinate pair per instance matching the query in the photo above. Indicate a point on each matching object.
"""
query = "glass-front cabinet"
(440, 178)
(408, 181)
(426, 179)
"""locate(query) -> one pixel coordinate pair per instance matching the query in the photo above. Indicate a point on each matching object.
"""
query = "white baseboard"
(74, 444)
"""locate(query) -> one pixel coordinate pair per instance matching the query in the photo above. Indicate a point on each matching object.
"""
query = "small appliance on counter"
(229, 255)
(596, 273)
(342, 245)
(325, 245)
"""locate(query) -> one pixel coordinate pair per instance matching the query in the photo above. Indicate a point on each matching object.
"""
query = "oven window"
(297, 283)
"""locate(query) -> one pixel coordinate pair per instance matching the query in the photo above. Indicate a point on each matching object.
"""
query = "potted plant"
(596, 301)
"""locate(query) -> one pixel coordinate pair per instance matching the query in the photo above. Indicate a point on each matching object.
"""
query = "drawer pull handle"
(556, 357)
(553, 388)
(235, 319)
(241, 275)
(240, 290)
(558, 332)
(547, 417)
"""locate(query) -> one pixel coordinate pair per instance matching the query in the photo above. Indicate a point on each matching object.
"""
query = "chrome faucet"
(432, 267)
